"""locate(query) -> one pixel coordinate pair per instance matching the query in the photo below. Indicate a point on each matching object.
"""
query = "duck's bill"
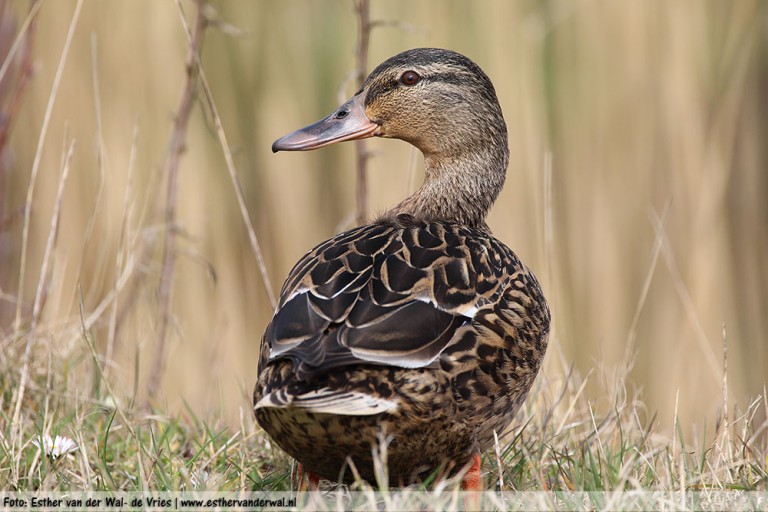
(348, 122)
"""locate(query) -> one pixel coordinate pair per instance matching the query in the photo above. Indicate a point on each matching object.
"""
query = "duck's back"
(428, 332)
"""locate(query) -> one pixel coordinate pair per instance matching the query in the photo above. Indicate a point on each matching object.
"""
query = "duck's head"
(446, 106)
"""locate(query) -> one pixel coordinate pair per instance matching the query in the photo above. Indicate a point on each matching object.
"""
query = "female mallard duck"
(420, 330)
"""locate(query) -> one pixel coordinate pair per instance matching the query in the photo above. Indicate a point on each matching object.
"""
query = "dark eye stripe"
(453, 78)
(379, 88)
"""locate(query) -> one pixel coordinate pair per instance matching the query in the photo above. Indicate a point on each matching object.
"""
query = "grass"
(121, 446)
(559, 441)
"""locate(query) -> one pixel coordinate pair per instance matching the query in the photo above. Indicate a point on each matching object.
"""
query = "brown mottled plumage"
(420, 328)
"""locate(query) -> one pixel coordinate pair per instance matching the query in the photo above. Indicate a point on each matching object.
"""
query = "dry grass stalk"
(176, 148)
(22, 38)
(38, 159)
(362, 9)
(42, 286)
(499, 465)
(122, 245)
(658, 241)
(102, 168)
(95, 356)
(549, 259)
(255, 246)
(26, 69)
(685, 298)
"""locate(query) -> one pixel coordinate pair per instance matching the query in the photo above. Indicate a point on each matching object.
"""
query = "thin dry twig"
(499, 465)
(685, 298)
(122, 243)
(549, 257)
(26, 69)
(364, 26)
(632, 334)
(38, 159)
(143, 246)
(176, 147)
(725, 376)
(87, 337)
(722, 432)
(42, 285)
(255, 246)
(101, 166)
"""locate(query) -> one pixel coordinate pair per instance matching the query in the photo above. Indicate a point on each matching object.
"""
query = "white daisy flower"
(56, 447)
(199, 478)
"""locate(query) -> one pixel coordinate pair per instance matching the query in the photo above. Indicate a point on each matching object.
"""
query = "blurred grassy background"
(641, 105)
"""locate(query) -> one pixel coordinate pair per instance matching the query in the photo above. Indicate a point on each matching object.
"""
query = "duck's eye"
(410, 78)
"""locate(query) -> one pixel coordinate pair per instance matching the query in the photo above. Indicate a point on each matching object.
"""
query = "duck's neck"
(459, 189)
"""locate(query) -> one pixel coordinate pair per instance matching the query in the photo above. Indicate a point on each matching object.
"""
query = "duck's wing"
(386, 294)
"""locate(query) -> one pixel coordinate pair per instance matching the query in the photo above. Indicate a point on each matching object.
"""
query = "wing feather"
(330, 401)
(385, 294)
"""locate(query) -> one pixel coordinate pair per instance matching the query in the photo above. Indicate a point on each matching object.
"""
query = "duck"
(418, 335)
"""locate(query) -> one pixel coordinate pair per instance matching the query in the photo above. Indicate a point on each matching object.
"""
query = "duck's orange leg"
(471, 480)
(312, 483)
